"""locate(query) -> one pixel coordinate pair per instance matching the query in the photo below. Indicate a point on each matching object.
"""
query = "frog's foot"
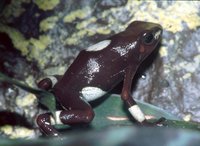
(159, 122)
(46, 121)
(47, 83)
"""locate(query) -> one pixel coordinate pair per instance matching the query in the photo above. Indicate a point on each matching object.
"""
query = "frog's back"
(93, 69)
(101, 66)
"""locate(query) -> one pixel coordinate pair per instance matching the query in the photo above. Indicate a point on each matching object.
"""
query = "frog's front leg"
(133, 108)
(81, 115)
(48, 82)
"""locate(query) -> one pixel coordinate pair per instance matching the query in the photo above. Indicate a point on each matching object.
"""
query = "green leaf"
(155, 111)
(113, 112)
(116, 136)
(182, 124)
(109, 112)
(47, 99)
(44, 97)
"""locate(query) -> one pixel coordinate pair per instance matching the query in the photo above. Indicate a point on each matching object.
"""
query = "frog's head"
(135, 43)
(146, 35)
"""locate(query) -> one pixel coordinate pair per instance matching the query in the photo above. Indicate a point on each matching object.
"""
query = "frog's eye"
(148, 38)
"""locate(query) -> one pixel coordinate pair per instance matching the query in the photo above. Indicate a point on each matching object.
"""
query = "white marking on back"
(99, 46)
(91, 93)
(137, 113)
(53, 80)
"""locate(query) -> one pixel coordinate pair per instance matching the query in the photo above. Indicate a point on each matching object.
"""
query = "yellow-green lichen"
(85, 24)
(26, 101)
(91, 31)
(186, 76)
(41, 43)
(17, 38)
(189, 66)
(43, 58)
(103, 30)
(46, 4)
(185, 12)
(76, 37)
(81, 14)
(36, 45)
(163, 51)
(172, 17)
(168, 18)
(17, 132)
(31, 48)
(55, 70)
(86, 28)
(7, 129)
(48, 23)
(30, 80)
(72, 41)
(14, 9)
(131, 7)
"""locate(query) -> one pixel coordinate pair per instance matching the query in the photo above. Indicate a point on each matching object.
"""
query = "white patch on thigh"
(56, 119)
(91, 93)
(137, 113)
(53, 80)
(99, 46)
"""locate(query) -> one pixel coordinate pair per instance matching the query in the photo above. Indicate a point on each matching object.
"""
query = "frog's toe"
(159, 122)
(45, 84)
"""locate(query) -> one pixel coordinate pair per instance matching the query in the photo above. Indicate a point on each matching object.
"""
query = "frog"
(96, 71)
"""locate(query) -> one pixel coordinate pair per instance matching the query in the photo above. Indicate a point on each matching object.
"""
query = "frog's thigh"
(79, 112)
(72, 117)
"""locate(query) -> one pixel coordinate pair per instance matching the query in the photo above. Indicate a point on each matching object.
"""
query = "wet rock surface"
(40, 38)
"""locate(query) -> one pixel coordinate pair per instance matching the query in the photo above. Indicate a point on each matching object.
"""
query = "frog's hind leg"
(81, 115)
(45, 125)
